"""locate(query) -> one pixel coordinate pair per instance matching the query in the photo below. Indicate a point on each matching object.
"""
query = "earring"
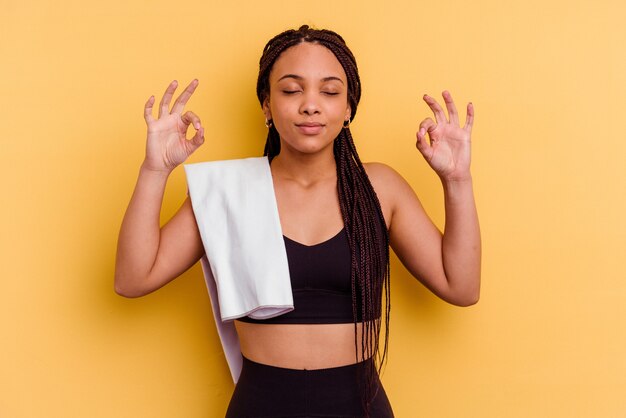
(346, 124)
(268, 123)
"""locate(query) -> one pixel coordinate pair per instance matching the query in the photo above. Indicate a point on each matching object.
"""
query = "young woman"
(338, 217)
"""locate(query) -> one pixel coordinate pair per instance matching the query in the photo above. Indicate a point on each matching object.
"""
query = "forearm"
(461, 246)
(139, 236)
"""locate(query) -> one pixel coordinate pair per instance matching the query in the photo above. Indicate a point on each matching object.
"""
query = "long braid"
(360, 208)
(369, 244)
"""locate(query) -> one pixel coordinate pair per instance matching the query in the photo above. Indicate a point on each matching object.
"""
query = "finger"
(164, 106)
(198, 138)
(147, 110)
(437, 110)
(191, 118)
(469, 121)
(454, 115)
(428, 124)
(180, 102)
(422, 145)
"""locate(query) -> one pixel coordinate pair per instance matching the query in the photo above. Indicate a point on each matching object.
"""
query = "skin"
(308, 105)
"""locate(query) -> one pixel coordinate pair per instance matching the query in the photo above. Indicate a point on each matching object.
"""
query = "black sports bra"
(321, 284)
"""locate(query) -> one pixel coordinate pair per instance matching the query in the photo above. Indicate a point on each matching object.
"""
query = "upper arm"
(180, 247)
(412, 235)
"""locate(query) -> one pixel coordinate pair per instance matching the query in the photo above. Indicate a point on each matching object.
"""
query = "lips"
(309, 124)
(310, 128)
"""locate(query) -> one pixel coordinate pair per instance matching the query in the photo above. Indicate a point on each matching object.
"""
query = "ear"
(348, 113)
(266, 108)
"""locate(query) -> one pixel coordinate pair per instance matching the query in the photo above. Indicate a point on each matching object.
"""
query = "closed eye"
(330, 93)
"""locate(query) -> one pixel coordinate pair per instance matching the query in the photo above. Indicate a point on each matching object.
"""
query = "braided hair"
(360, 208)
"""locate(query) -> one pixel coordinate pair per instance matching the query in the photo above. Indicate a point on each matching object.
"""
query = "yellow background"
(548, 82)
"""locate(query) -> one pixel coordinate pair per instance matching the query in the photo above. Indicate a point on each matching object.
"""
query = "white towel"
(245, 265)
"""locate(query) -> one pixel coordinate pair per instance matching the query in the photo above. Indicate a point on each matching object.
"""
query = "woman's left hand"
(448, 152)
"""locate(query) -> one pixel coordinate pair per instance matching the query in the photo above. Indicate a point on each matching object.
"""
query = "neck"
(305, 169)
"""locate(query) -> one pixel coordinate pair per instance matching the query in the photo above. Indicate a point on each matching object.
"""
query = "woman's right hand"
(167, 144)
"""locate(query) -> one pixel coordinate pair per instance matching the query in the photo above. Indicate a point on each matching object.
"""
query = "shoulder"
(390, 187)
(383, 177)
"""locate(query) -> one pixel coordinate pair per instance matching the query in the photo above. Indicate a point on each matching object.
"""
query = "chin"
(309, 145)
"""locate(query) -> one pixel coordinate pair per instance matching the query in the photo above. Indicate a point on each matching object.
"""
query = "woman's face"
(308, 101)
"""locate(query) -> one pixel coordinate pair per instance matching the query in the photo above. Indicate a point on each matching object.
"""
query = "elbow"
(126, 293)
(126, 289)
(467, 301)
(465, 298)
(465, 291)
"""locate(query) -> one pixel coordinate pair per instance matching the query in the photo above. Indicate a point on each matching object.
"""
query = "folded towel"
(245, 265)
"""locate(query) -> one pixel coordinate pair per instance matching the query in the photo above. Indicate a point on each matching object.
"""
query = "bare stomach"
(300, 346)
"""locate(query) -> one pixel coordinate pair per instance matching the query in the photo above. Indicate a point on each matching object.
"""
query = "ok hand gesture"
(167, 144)
(448, 152)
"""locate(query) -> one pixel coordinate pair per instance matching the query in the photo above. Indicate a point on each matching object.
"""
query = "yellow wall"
(548, 83)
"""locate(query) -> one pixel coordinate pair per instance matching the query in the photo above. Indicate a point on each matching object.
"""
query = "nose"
(310, 104)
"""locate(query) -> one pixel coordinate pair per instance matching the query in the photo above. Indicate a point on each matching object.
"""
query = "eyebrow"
(298, 77)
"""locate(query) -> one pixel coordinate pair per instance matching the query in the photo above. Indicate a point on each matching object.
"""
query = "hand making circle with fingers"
(167, 145)
(448, 152)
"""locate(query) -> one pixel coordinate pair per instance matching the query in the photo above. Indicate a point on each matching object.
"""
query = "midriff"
(300, 346)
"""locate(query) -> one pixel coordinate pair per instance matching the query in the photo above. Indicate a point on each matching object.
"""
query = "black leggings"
(267, 391)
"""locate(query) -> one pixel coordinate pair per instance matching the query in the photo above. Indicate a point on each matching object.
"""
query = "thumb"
(422, 144)
(198, 138)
